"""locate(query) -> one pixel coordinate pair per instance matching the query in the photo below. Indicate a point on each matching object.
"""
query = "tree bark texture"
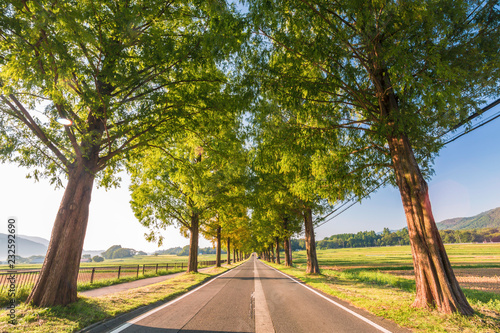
(435, 280)
(278, 260)
(218, 255)
(57, 282)
(193, 243)
(288, 259)
(312, 259)
(228, 251)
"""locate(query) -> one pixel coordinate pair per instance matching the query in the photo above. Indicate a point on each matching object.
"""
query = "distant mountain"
(35, 239)
(24, 247)
(488, 219)
(27, 246)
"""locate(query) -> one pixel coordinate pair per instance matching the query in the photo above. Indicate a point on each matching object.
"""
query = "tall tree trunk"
(217, 260)
(286, 245)
(234, 255)
(312, 259)
(228, 251)
(278, 260)
(435, 281)
(57, 282)
(288, 261)
(193, 244)
(271, 250)
(290, 252)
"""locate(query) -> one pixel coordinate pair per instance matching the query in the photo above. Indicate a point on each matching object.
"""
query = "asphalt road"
(253, 297)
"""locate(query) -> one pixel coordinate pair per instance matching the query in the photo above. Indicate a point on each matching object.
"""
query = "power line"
(473, 116)
(484, 122)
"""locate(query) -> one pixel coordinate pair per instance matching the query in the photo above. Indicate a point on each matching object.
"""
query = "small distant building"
(85, 260)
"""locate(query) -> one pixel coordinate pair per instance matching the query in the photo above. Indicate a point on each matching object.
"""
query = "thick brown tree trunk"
(271, 250)
(278, 260)
(193, 244)
(288, 261)
(312, 259)
(218, 255)
(228, 250)
(57, 281)
(435, 281)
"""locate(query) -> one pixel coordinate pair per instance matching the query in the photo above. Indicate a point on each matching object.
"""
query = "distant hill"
(488, 219)
(24, 247)
(35, 239)
(27, 246)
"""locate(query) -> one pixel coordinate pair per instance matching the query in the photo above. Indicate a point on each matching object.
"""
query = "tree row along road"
(253, 297)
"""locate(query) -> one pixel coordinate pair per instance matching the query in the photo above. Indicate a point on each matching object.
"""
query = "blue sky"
(466, 182)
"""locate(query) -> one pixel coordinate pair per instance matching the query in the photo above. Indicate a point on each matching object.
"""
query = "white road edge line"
(366, 320)
(149, 313)
(263, 322)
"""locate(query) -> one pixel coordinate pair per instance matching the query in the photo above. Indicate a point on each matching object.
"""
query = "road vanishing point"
(252, 297)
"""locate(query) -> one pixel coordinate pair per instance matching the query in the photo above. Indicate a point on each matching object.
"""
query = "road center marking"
(366, 320)
(263, 322)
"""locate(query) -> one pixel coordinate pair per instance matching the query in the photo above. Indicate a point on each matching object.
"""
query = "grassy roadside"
(23, 293)
(391, 297)
(87, 310)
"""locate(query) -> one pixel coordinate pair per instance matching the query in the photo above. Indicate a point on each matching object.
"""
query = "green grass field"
(393, 257)
(360, 276)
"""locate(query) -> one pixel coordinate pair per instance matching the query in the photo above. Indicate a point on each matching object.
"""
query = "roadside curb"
(109, 323)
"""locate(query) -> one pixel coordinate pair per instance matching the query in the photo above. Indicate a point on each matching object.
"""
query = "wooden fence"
(26, 278)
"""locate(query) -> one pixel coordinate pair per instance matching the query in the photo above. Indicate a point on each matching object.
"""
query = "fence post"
(92, 276)
(143, 269)
(156, 268)
(138, 270)
(167, 267)
(182, 265)
(119, 270)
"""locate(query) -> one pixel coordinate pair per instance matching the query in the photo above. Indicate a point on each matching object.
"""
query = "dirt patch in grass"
(484, 279)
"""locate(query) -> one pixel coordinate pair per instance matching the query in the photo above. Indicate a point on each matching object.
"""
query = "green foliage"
(365, 239)
(184, 252)
(109, 252)
(116, 251)
(190, 176)
(342, 77)
(488, 219)
(485, 235)
(172, 250)
(122, 253)
(401, 237)
(125, 74)
(97, 259)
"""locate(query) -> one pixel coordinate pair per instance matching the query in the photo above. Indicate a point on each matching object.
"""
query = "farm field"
(380, 280)
(471, 255)
(477, 266)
